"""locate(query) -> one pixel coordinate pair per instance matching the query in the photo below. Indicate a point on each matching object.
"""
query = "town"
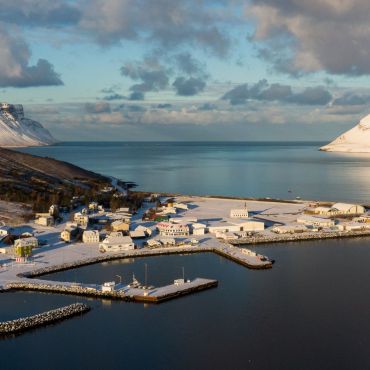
(62, 239)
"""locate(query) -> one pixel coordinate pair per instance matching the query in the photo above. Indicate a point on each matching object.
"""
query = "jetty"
(45, 318)
(132, 293)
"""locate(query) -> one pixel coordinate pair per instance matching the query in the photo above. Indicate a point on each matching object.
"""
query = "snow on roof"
(168, 225)
(343, 206)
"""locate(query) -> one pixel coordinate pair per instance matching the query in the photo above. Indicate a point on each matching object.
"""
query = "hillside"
(355, 140)
(16, 130)
(40, 181)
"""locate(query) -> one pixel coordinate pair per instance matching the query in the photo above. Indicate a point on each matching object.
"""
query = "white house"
(198, 228)
(153, 243)
(117, 244)
(81, 219)
(239, 213)
(46, 220)
(169, 229)
(90, 236)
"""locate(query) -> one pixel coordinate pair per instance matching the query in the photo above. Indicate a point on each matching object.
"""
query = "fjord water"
(310, 311)
(276, 170)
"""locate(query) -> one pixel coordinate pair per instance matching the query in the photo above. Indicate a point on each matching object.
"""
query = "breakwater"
(267, 239)
(27, 323)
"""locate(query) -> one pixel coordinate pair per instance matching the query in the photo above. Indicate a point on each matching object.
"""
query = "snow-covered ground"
(356, 140)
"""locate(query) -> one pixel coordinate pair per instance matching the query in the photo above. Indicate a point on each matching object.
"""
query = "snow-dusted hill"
(16, 130)
(355, 140)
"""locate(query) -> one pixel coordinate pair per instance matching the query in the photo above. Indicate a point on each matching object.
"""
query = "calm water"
(311, 311)
(238, 169)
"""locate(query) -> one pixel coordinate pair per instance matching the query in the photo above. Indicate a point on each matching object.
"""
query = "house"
(46, 220)
(315, 221)
(153, 243)
(91, 236)
(120, 225)
(81, 219)
(168, 211)
(166, 242)
(117, 244)
(137, 234)
(147, 230)
(4, 231)
(26, 244)
(239, 213)
(123, 210)
(198, 229)
(68, 234)
(169, 229)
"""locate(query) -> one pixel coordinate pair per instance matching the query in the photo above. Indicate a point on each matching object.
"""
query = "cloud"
(187, 64)
(311, 96)
(263, 91)
(136, 95)
(40, 13)
(188, 86)
(114, 96)
(207, 106)
(350, 98)
(15, 70)
(98, 107)
(152, 76)
(300, 37)
(165, 23)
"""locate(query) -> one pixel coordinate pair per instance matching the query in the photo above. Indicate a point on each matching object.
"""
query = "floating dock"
(127, 293)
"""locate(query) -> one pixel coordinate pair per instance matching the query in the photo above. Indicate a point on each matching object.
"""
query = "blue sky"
(187, 70)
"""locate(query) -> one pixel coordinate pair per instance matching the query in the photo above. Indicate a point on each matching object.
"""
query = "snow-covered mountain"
(16, 130)
(355, 140)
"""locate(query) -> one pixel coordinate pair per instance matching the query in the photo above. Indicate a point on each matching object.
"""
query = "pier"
(45, 318)
(119, 292)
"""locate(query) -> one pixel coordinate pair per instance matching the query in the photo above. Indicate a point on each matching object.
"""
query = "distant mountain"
(356, 140)
(16, 130)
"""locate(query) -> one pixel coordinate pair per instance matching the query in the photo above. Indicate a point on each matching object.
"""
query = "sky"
(140, 70)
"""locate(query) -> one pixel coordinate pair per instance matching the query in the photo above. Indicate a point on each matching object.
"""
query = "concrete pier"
(127, 293)
(45, 318)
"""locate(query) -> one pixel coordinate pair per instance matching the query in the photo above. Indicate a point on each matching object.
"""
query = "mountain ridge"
(355, 140)
(18, 131)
